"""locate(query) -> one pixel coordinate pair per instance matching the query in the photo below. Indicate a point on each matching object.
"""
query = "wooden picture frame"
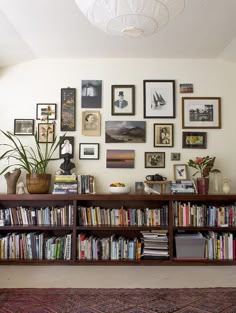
(201, 112)
(66, 146)
(42, 111)
(194, 140)
(89, 151)
(68, 109)
(91, 123)
(122, 100)
(24, 127)
(125, 131)
(43, 128)
(159, 98)
(163, 135)
(91, 94)
(180, 172)
(154, 159)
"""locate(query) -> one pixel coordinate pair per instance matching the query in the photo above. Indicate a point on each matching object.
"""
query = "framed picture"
(45, 129)
(91, 123)
(122, 99)
(68, 109)
(186, 88)
(139, 187)
(175, 156)
(46, 111)
(197, 140)
(125, 131)
(201, 112)
(24, 127)
(89, 151)
(120, 159)
(91, 94)
(163, 135)
(66, 146)
(154, 159)
(159, 98)
(180, 172)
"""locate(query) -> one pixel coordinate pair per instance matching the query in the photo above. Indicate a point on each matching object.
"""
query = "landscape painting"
(120, 159)
(125, 131)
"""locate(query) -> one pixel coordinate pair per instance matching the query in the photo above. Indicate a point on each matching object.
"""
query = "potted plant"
(33, 160)
(204, 166)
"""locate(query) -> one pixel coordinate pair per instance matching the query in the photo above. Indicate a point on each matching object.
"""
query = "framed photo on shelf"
(163, 135)
(24, 127)
(122, 100)
(180, 172)
(139, 187)
(196, 140)
(66, 146)
(91, 123)
(89, 151)
(201, 112)
(46, 111)
(43, 130)
(175, 156)
(154, 159)
(91, 94)
(159, 98)
(68, 103)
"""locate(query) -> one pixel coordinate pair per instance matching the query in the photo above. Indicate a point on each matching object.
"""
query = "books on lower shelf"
(155, 244)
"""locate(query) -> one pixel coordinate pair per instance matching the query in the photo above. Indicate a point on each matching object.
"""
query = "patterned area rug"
(205, 300)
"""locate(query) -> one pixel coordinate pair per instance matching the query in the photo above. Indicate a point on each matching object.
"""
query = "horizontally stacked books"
(182, 186)
(65, 184)
(155, 244)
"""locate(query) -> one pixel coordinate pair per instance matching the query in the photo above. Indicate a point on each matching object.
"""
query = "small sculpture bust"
(67, 165)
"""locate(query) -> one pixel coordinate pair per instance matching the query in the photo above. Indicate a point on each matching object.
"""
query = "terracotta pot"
(38, 183)
(203, 185)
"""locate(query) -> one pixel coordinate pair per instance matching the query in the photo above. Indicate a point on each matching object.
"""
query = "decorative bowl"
(119, 189)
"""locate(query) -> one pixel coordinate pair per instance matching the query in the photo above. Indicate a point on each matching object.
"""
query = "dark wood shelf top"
(205, 228)
(35, 227)
(127, 228)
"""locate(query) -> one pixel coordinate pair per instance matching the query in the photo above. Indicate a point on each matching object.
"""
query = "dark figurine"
(67, 165)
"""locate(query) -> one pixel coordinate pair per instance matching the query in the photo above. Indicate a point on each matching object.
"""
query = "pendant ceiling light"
(132, 18)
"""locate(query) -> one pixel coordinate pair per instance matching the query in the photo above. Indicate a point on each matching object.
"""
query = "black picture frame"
(154, 159)
(91, 94)
(23, 127)
(89, 151)
(66, 146)
(122, 99)
(159, 98)
(194, 140)
(68, 109)
(41, 111)
(163, 135)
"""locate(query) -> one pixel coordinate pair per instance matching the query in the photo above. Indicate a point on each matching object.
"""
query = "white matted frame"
(180, 172)
(89, 151)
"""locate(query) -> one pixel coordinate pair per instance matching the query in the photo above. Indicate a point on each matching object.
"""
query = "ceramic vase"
(38, 183)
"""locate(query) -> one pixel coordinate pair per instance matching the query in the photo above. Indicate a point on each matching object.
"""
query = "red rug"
(205, 300)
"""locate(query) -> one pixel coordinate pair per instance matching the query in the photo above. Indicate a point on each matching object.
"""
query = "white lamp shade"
(130, 17)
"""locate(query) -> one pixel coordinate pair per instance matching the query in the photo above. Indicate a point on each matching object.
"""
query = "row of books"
(93, 216)
(155, 244)
(52, 216)
(182, 186)
(220, 246)
(86, 184)
(187, 214)
(108, 248)
(34, 246)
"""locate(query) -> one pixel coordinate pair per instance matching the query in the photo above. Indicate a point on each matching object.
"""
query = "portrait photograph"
(91, 123)
(24, 127)
(66, 146)
(68, 109)
(159, 98)
(120, 158)
(163, 135)
(122, 99)
(125, 131)
(91, 94)
(201, 112)
(46, 111)
(89, 151)
(180, 172)
(154, 159)
(194, 140)
(45, 131)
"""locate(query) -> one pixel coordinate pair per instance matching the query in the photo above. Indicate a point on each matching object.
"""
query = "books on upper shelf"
(182, 186)
(65, 184)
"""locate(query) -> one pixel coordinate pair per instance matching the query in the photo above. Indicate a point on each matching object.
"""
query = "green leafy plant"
(32, 160)
(203, 165)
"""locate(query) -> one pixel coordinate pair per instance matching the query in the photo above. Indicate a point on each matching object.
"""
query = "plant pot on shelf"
(38, 183)
(203, 185)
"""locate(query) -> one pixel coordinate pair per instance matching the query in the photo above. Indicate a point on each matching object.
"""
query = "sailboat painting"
(159, 98)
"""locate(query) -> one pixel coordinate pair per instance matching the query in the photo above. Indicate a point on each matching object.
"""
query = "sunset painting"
(120, 159)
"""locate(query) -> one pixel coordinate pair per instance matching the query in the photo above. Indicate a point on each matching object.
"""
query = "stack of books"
(182, 186)
(86, 184)
(65, 184)
(155, 244)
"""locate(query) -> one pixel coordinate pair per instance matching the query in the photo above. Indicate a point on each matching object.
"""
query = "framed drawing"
(89, 151)
(201, 112)
(175, 156)
(66, 146)
(197, 140)
(163, 135)
(46, 111)
(159, 98)
(45, 130)
(122, 99)
(91, 94)
(180, 172)
(91, 123)
(154, 159)
(24, 127)
(120, 158)
(125, 131)
(68, 109)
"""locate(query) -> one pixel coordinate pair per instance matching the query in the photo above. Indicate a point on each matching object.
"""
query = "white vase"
(226, 186)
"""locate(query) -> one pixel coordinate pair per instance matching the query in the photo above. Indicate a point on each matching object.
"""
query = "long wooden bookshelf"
(127, 201)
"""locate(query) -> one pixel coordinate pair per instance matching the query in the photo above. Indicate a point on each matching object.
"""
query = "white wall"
(40, 81)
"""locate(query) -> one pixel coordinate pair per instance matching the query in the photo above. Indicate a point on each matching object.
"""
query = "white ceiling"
(32, 29)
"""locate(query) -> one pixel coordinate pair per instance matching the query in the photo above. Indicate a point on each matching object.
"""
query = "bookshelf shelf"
(64, 242)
